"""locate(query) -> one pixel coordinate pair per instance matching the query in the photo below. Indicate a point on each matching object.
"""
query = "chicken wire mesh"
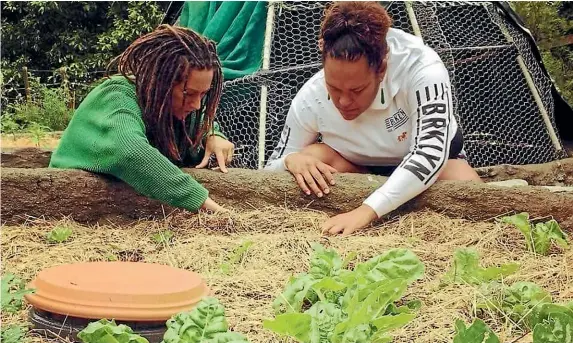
(493, 103)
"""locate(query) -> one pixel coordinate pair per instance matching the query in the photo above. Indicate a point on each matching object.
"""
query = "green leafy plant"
(206, 323)
(538, 238)
(163, 237)
(477, 332)
(37, 133)
(518, 303)
(9, 126)
(105, 331)
(531, 309)
(59, 234)
(331, 304)
(466, 269)
(553, 324)
(236, 256)
(12, 293)
(13, 334)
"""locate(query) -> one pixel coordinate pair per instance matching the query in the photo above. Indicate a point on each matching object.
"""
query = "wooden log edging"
(90, 198)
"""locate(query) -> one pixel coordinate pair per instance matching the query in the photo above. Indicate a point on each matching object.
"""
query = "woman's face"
(187, 96)
(352, 85)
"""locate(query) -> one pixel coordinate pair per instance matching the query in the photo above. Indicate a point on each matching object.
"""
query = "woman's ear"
(320, 44)
(383, 67)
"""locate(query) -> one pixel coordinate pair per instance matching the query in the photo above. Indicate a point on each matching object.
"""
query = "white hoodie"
(410, 123)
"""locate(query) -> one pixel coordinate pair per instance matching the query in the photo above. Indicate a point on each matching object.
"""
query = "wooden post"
(65, 84)
(26, 82)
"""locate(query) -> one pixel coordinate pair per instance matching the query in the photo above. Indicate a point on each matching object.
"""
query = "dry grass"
(282, 247)
(23, 140)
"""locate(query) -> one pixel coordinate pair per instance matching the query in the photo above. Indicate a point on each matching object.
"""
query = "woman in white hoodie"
(382, 104)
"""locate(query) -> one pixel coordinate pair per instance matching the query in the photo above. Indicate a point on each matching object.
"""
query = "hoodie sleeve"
(430, 101)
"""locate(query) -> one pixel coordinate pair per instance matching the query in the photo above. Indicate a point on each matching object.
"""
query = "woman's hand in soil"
(223, 150)
(349, 222)
(210, 205)
(310, 173)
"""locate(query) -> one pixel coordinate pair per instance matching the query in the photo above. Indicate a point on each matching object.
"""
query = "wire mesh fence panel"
(480, 46)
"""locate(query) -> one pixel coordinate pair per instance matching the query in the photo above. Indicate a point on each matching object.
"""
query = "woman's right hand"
(310, 173)
(212, 206)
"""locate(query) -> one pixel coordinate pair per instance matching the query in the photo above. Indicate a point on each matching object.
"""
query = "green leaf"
(12, 293)
(104, 331)
(386, 323)
(349, 258)
(358, 334)
(236, 256)
(478, 332)
(522, 302)
(546, 233)
(294, 294)
(538, 238)
(206, 321)
(13, 334)
(545, 311)
(163, 237)
(59, 234)
(227, 337)
(557, 329)
(381, 337)
(494, 273)
(466, 268)
(329, 284)
(380, 295)
(521, 222)
(325, 317)
(393, 264)
(296, 325)
(409, 307)
(324, 262)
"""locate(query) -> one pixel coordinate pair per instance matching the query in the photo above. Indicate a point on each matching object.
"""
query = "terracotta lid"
(130, 291)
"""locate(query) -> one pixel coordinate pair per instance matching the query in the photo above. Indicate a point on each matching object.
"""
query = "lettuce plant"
(59, 234)
(538, 237)
(466, 269)
(105, 331)
(532, 309)
(333, 304)
(477, 332)
(206, 323)
(12, 293)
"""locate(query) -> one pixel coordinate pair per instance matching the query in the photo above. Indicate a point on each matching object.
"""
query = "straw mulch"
(281, 247)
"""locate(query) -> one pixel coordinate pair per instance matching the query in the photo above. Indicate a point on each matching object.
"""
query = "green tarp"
(238, 28)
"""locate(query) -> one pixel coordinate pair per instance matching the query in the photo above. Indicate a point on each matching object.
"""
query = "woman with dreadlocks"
(383, 105)
(155, 116)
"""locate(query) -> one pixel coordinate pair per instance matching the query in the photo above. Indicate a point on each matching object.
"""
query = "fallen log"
(555, 173)
(89, 198)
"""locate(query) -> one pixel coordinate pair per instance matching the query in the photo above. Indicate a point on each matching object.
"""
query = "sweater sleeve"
(149, 172)
(431, 104)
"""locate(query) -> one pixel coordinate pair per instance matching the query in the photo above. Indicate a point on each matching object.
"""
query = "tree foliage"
(547, 22)
(79, 35)
(47, 36)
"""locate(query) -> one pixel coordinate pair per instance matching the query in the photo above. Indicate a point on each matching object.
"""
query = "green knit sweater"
(107, 135)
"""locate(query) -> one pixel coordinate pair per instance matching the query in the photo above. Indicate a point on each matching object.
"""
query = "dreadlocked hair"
(156, 62)
(352, 29)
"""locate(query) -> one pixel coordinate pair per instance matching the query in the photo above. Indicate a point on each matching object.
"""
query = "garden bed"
(276, 245)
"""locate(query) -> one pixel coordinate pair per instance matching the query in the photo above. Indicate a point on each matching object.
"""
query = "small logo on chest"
(396, 120)
(403, 136)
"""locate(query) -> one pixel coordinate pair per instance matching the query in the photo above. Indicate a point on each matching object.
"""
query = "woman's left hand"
(349, 222)
(223, 150)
